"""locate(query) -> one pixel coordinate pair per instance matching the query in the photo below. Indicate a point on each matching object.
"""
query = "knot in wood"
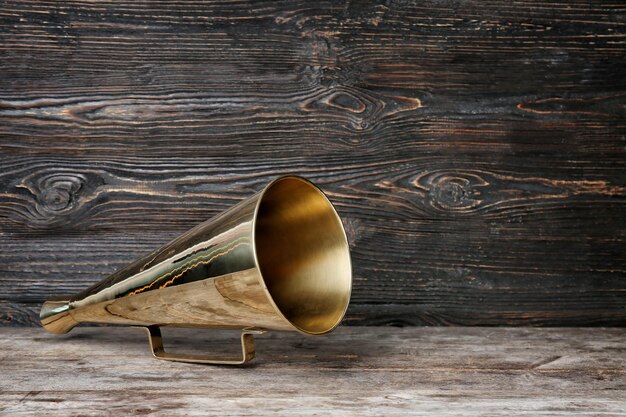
(346, 101)
(58, 192)
(452, 191)
(56, 199)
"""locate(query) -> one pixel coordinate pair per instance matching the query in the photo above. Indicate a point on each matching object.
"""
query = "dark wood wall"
(476, 150)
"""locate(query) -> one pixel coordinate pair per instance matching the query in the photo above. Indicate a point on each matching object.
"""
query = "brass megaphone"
(278, 260)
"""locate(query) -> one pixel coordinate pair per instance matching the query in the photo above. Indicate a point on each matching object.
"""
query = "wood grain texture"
(364, 371)
(475, 150)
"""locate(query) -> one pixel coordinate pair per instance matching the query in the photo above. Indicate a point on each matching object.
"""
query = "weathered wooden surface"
(355, 371)
(475, 150)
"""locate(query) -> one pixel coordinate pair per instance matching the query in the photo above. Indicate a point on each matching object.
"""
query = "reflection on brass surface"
(278, 260)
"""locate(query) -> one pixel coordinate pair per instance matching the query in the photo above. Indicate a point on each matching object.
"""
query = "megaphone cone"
(278, 260)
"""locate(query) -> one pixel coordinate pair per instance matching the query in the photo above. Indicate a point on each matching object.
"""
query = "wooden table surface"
(355, 371)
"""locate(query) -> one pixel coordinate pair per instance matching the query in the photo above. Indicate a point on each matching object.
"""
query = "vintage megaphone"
(278, 260)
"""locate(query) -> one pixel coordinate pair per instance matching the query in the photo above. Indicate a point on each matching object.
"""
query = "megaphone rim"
(332, 208)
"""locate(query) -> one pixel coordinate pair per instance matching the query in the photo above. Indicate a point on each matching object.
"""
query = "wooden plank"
(368, 371)
(474, 150)
(397, 314)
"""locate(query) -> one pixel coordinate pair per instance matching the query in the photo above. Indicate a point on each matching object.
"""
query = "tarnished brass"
(278, 260)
